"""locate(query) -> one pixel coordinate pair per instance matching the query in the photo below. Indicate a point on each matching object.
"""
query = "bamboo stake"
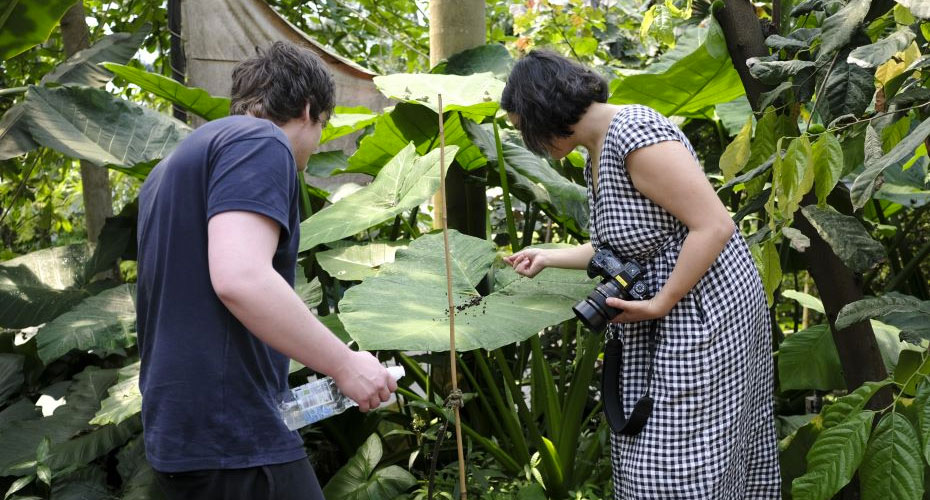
(463, 494)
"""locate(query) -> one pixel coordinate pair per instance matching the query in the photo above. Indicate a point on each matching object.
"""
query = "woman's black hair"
(549, 93)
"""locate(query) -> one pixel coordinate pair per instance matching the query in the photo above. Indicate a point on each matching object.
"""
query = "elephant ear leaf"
(360, 480)
(25, 24)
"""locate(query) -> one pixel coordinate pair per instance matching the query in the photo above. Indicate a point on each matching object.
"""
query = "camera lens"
(593, 311)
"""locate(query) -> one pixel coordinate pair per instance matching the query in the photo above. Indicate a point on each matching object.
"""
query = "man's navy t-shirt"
(208, 384)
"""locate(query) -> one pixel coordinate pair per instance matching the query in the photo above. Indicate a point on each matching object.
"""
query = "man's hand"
(364, 380)
(638, 310)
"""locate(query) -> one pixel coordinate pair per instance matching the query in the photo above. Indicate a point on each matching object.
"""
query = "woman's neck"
(591, 129)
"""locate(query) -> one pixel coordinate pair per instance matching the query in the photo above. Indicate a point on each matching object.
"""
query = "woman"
(711, 434)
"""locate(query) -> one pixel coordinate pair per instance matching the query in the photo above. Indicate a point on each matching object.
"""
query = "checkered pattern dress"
(711, 435)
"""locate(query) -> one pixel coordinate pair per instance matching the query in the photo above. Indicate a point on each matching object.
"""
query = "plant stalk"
(508, 207)
(453, 361)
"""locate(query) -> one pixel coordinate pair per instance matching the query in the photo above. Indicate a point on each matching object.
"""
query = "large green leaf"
(26, 23)
(193, 99)
(848, 90)
(534, 179)
(492, 58)
(124, 399)
(405, 182)
(846, 236)
(839, 28)
(83, 69)
(476, 96)
(870, 56)
(865, 184)
(922, 400)
(359, 480)
(88, 446)
(837, 412)
(39, 286)
(346, 121)
(873, 307)
(105, 321)
(793, 176)
(357, 262)
(919, 8)
(827, 159)
(808, 360)
(324, 163)
(15, 139)
(408, 123)
(20, 439)
(834, 458)
(774, 72)
(138, 478)
(892, 467)
(690, 86)
(88, 482)
(736, 155)
(91, 124)
(11, 375)
(405, 305)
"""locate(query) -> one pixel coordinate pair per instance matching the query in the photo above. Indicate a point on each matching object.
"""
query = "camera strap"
(612, 389)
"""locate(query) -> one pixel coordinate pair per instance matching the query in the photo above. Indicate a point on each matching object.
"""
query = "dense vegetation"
(817, 142)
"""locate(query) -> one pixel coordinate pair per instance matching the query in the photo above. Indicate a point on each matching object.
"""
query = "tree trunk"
(745, 39)
(838, 285)
(454, 26)
(178, 61)
(95, 181)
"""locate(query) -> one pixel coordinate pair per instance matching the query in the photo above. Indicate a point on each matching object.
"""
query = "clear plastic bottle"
(318, 399)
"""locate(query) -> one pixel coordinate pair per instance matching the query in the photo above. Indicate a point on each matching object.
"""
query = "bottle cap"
(396, 371)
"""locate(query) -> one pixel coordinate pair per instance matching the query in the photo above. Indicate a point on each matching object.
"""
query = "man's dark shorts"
(289, 481)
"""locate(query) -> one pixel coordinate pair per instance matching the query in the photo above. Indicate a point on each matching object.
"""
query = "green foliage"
(834, 458)
(848, 239)
(25, 24)
(357, 262)
(808, 360)
(475, 96)
(193, 99)
(405, 182)
(893, 466)
(360, 480)
(405, 307)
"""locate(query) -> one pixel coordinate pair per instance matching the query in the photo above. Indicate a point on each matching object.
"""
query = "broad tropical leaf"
(837, 412)
(690, 86)
(324, 163)
(774, 72)
(346, 121)
(24, 24)
(846, 236)
(193, 99)
(15, 139)
(534, 180)
(892, 467)
(124, 399)
(310, 292)
(11, 375)
(405, 305)
(491, 58)
(138, 478)
(357, 262)
(105, 321)
(827, 159)
(82, 484)
(735, 157)
(848, 90)
(839, 28)
(476, 96)
(870, 56)
(89, 446)
(833, 458)
(39, 286)
(408, 123)
(808, 360)
(21, 438)
(359, 480)
(91, 124)
(405, 182)
(919, 8)
(873, 307)
(83, 69)
(865, 184)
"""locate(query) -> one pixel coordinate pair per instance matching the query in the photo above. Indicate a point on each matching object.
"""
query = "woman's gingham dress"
(711, 435)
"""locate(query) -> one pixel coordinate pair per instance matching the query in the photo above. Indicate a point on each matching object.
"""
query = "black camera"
(622, 279)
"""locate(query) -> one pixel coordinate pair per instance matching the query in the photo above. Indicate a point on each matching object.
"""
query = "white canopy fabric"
(218, 34)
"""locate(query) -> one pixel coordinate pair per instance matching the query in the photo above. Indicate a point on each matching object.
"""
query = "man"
(217, 313)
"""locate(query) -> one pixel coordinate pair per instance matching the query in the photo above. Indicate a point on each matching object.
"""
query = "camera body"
(623, 279)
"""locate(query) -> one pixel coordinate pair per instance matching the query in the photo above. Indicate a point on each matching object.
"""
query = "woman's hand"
(638, 310)
(528, 262)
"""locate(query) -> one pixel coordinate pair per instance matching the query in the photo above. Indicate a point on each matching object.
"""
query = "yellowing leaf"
(734, 159)
(886, 72)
